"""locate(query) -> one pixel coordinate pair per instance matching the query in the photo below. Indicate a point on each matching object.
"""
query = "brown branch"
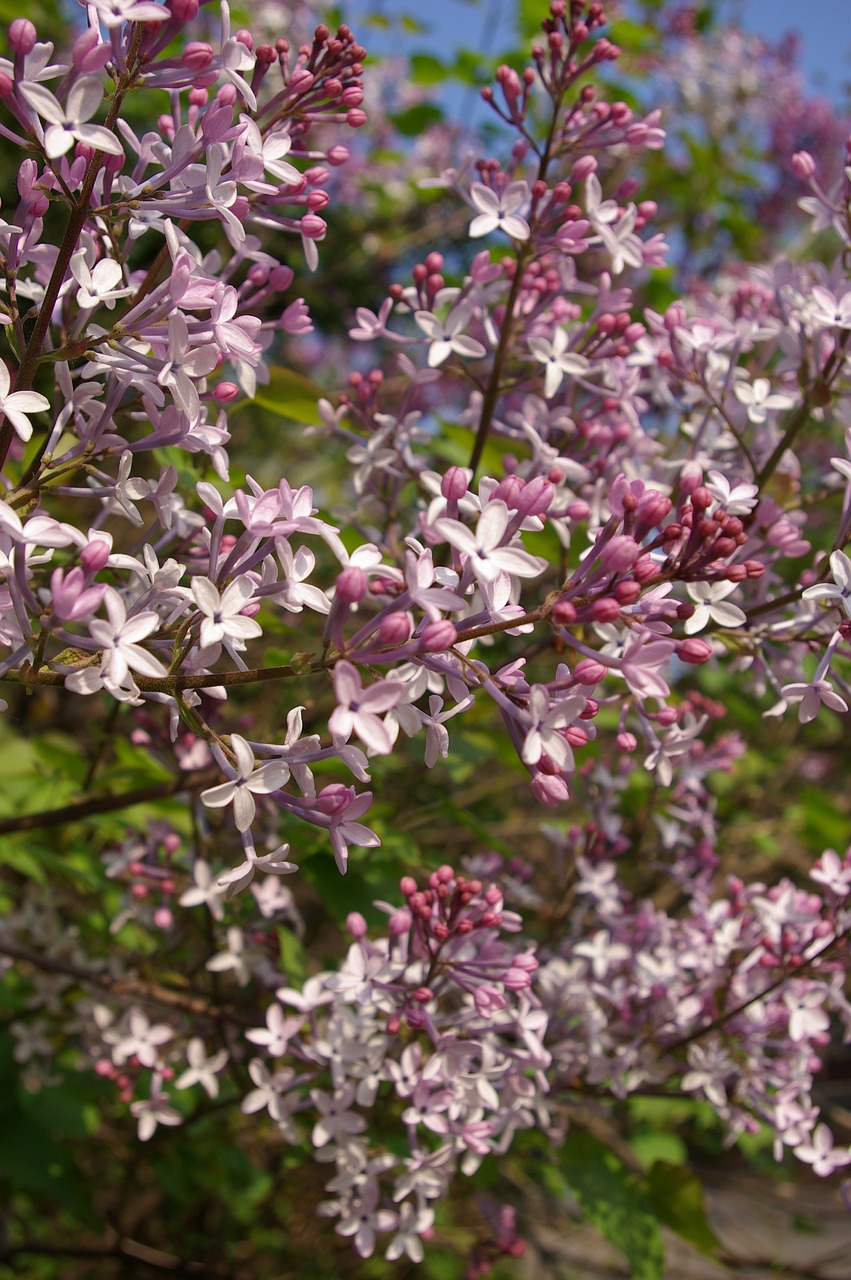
(136, 988)
(193, 780)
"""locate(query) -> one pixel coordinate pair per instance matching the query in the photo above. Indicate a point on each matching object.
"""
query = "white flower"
(357, 708)
(486, 557)
(498, 212)
(98, 284)
(65, 127)
(121, 653)
(241, 790)
(154, 1110)
(708, 596)
(202, 1070)
(737, 499)
(277, 1033)
(558, 360)
(829, 310)
(547, 721)
(840, 589)
(446, 336)
(760, 399)
(822, 1154)
(17, 405)
(223, 617)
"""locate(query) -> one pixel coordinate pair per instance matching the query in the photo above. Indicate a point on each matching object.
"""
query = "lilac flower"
(277, 1033)
(336, 1120)
(558, 360)
(142, 1040)
(202, 1070)
(98, 285)
(811, 696)
(832, 871)
(487, 558)
(446, 336)
(760, 399)
(830, 310)
(840, 589)
(223, 616)
(824, 1157)
(413, 1222)
(547, 720)
(118, 638)
(363, 1218)
(357, 708)
(709, 598)
(184, 364)
(154, 1111)
(67, 126)
(19, 404)
(806, 1016)
(247, 782)
(499, 212)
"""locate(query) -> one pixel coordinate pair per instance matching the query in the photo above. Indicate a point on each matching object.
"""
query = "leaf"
(677, 1197)
(290, 395)
(427, 69)
(417, 119)
(614, 1202)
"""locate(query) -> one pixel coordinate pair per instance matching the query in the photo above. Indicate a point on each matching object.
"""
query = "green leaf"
(677, 1197)
(427, 69)
(290, 395)
(615, 1203)
(417, 119)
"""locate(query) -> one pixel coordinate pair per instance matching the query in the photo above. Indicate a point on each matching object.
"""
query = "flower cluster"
(639, 495)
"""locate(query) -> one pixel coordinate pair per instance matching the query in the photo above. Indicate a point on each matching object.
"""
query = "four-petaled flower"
(499, 212)
(357, 708)
(247, 782)
(17, 405)
(558, 360)
(223, 616)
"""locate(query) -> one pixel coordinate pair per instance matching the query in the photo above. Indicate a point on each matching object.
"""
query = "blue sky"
(826, 42)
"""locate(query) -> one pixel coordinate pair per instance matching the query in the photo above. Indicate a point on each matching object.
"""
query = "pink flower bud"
(549, 791)
(436, 637)
(536, 498)
(583, 168)
(225, 392)
(95, 554)
(197, 55)
(694, 651)
(312, 226)
(334, 799)
(407, 885)
(589, 671)
(619, 553)
(395, 629)
(351, 584)
(606, 609)
(337, 155)
(90, 54)
(399, 923)
(454, 484)
(564, 613)
(22, 36)
(627, 742)
(356, 925)
(803, 165)
(355, 118)
(163, 918)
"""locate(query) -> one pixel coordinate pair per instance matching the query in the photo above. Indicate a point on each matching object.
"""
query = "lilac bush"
(560, 509)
